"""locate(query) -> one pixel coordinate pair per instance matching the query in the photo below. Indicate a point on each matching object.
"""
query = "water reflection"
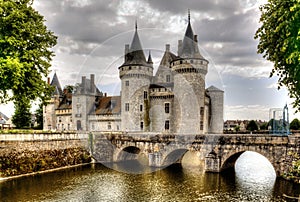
(175, 183)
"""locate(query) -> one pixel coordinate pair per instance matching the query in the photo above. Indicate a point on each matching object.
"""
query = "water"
(254, 180)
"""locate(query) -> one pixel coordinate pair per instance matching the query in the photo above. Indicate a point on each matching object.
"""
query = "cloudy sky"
(92, 34)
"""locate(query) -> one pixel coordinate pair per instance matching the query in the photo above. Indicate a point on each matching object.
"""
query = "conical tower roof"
(190, 45)
(135, 54)
(56, 84)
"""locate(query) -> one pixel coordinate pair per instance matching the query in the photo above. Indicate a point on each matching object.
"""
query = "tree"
(252, 126)
(22, 115)
(25, 53)
(295, 124)
(39, 116)
(264, 126)
(279, 42)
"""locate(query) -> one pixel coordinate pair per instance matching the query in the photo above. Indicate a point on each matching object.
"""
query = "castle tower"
(189, 85)
(49, 116)
(216, 109)
(135, 74)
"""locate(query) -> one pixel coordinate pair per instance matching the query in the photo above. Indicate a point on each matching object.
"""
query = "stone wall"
(26, 153)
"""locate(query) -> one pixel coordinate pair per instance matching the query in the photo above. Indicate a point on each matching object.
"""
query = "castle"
(174, 100)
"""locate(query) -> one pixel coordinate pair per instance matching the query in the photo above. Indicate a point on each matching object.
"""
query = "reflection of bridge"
(216, 152)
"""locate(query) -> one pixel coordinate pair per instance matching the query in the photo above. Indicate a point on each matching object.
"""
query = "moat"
(176, 183)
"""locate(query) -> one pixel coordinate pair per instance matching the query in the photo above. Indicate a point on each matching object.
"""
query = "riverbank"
(22, 154)
(24, 162)
(42, 172)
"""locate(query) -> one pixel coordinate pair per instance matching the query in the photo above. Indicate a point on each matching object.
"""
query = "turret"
(135, 74)
(49, 110)
(189, 85)
(215, 124)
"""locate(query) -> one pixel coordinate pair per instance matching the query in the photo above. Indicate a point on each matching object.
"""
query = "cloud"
(92, 35)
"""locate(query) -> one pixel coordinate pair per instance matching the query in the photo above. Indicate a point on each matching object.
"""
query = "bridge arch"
(175, 156)
(127, 153)
(230, 160)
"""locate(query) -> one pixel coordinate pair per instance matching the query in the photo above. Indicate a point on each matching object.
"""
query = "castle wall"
(104, 122)
(161, 112)
(82, 105)
(64, 120)
(189, 96)
(135, 82)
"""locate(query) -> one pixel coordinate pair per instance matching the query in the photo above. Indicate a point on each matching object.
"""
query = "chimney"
(83, 84)
(195, 38)
(105, 94)
(179, 47)
(48, 80)
(167, 47)
(92, 83)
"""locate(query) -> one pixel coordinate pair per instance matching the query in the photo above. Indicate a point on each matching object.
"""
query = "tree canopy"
(279, 42)
(295, 124)
(252, 126)
(25, 52)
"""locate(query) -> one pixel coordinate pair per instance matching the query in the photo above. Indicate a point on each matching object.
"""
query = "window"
(109, 126)
(167, 108)
(142, 125)
(201, 117)
(129, 67)
(168, 78)
(126, 83)
(141, 108)
(126, 107)
(59, 119)
(145, 95)
(167, 125)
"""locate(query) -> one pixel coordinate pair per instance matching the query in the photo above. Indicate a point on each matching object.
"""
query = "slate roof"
(3, 116)
(189, 46)
(213, 89)
(56, 84)
(135, 56)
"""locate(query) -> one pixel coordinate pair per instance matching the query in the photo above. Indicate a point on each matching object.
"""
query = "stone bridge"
(215, 152)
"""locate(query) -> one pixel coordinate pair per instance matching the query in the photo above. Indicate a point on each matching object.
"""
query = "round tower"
(189, 85)
(135, 74)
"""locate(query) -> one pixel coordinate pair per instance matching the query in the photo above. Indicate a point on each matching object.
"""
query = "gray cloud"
(92, 35)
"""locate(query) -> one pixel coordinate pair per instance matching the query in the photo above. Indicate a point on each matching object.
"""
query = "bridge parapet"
(215, 151)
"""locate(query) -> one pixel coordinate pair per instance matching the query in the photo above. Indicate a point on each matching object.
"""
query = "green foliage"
(294, 169)
(279, 42)
(39, 116)
(22, 116)
(69, 88)
(252, 126)
(295, 124)
(237, 128)
(25, 53)
(264, 126)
